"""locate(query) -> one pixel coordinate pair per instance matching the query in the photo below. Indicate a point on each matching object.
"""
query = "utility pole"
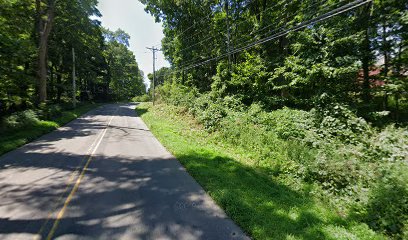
(73, 79)
(228, 33)
(154, 50)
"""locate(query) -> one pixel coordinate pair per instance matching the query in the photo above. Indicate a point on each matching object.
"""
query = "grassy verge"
(15, 139)
(265, 207)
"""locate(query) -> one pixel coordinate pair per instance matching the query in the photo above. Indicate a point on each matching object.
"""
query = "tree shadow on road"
(111, 201)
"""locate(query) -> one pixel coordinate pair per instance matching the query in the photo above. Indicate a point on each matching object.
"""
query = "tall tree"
(45, 12)
(125, 77)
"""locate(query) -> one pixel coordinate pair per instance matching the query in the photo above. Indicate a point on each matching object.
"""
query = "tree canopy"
(36, 42)
(288, 53)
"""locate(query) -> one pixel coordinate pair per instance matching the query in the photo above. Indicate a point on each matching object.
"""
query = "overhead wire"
(240, 23)
(332, 13)
(195, 23)
(252, 33)
(323, 17)
(325, 6)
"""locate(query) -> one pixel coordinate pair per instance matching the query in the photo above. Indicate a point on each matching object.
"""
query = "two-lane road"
(104, 176)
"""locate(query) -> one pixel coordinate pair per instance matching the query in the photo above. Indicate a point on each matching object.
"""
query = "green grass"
(265, 207)
(15, 139)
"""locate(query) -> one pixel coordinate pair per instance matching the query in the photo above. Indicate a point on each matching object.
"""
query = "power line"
(252, 33)
(323, 17)
(235, 25)
(212, 13)
(325, 6)
(195, 23)
(330, 14)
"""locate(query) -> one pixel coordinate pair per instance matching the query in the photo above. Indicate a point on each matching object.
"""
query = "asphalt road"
(104, 176)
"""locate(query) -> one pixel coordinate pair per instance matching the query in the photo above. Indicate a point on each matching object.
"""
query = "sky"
(129, 15)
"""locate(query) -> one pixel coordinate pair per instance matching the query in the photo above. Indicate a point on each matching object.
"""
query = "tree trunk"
(386, 62)
(397, 106)
(59, 88)
(366, 70)
(42, 71)
(44, 28)
(366, 54)
(52, 84)
(385, 50)
(59, 80)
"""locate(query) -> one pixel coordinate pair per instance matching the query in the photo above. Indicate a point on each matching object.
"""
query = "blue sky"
(130, 16)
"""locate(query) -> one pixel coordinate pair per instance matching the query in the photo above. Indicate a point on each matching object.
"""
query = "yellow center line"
(69, 182)
(61, 213)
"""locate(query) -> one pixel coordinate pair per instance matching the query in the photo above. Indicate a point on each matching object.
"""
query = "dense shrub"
(289, 123)
(329, 146)
(18, 120)
(142, 98)
(210, 110)
(387, 208)
(176, 94)
(337, 121)
(391, 144)
(47, 112)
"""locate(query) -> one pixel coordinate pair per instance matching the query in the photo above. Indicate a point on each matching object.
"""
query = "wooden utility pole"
(154, 50)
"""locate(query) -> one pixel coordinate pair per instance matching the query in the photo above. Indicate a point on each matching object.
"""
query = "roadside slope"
(263, 206)
(12, 140)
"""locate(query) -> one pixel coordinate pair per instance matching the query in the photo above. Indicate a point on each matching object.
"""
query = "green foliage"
(162, 75)
(210, 111)
(339, 122)
(391, 144)
(22, 127)
(340, 56)
(105, 67)
(47, 112)
(142, 98)
(16, 55)
(19, 120)
(177, 94)
(124, 76)
(387, 209)
(265, 206)
(329, 146)
(289, 123)
(249, 79)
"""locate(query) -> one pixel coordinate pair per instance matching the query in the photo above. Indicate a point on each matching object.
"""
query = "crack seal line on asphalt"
(76, 186)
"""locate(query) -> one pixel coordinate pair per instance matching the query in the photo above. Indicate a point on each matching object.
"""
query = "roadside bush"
(329, 146)
(176, 94)
(47, 112)
(387, 209)
(210, 110)
(142, 98)
(289, 123)
(19, 120)
(391, 144)
(335, 169)
(336, 121)
(53, 111)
